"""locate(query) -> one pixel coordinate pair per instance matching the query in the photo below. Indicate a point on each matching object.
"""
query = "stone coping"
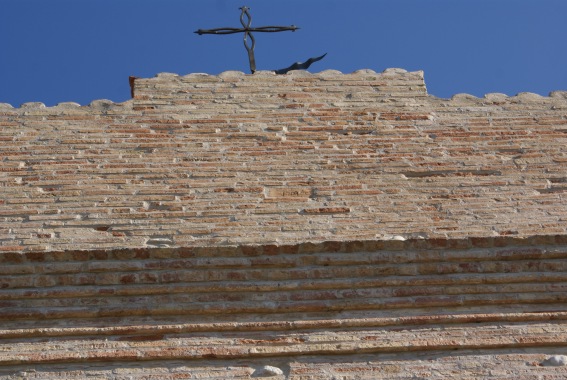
(522, 97)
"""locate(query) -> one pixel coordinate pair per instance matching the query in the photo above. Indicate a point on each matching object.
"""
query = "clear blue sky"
(82, 50)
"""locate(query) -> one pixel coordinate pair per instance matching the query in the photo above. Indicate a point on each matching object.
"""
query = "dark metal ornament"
(247, 30)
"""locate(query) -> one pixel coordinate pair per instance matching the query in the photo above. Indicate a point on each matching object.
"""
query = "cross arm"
(271, 29)
(265, 29)
(220, 31)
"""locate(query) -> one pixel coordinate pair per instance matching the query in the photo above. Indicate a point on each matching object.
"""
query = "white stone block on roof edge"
(528, 96)
(231, 73)
(166, 75)
(496, 96)
(101, 103)
(299, 73)
(394, 70)
(33, 105)
(463, 96)
(196, 75)
(264, 73)
(68, 105)
(364, 71)
(330, 72)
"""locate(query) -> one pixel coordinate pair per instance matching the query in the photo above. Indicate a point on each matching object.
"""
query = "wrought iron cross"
(247, 30)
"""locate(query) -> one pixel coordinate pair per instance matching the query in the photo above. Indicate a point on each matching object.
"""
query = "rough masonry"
(299, 226)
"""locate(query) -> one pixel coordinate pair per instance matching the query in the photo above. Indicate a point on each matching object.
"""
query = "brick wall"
(215, 225)
(234, 158)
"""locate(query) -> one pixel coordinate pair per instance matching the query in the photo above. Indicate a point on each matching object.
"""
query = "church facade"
(298, 226)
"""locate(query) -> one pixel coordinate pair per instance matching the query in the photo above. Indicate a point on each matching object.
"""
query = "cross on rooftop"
(247, 30)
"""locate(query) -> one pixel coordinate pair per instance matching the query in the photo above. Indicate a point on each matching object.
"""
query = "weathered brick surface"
(214, 225)
(256, 159)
